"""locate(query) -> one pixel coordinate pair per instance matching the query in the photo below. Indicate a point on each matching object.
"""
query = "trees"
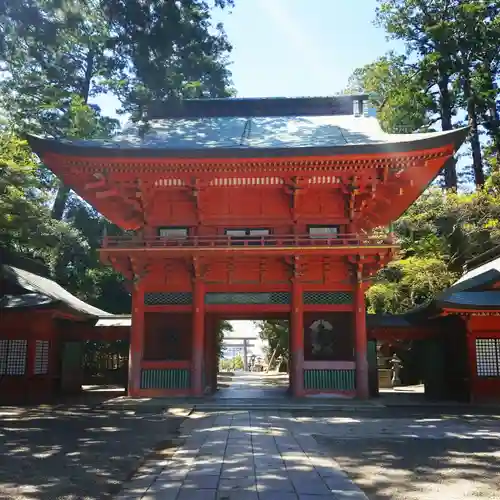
(276, 334)
(455, 47)
(55, 58)
(397, 91)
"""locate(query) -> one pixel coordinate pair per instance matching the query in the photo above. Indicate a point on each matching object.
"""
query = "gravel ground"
(423, 469)
(77, 452)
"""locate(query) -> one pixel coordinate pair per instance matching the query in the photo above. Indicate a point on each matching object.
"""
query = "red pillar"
(361, 342)
(198, 338)
(297, 340)
(136, 341)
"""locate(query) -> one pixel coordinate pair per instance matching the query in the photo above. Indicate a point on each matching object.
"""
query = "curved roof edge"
(53, 292)
(484, 300)
(64, 147)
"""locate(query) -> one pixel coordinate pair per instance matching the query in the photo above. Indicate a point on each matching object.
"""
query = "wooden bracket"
(140, 269)
(197, 188)
(198, 268)
(296, 266)
(262, 269)
(293, 187)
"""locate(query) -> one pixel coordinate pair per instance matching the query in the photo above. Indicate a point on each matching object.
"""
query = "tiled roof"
(258, 132)
(27, 300)
(43, 291)
(478, 277)
(471, 300)
(387, 320)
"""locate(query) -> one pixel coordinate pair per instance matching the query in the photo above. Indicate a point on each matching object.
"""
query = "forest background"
(57, 56)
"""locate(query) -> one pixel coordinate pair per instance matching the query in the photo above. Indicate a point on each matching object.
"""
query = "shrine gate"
(251, 209)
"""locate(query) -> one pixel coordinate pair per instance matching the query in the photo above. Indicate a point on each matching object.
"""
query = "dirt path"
(76, 452)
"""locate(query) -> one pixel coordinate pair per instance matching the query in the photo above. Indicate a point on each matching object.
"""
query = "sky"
(295, 48)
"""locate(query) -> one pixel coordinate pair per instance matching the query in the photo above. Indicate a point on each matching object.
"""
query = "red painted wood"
(170, 309)
(198, 337)
(252, 311)
(297, 339)
(136, 341)
(30, 359)
(361, 341)
(166, 364)
(483, 389)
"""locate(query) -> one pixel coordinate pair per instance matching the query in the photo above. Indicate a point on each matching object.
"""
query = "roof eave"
(454, 138)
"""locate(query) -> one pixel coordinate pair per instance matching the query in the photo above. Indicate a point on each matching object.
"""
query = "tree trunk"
(477, 159)
(493, 118)
(59, 205)
(445, 107)
(272, 359)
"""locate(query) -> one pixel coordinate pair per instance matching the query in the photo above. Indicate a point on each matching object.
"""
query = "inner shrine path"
(244, 455)
(255, 385)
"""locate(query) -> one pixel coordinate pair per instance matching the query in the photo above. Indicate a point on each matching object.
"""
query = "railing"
(223, 241)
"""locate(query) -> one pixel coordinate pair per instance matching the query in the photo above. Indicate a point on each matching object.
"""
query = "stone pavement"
(243, 455)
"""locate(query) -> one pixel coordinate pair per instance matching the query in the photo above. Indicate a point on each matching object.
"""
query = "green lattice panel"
(338, 298)
(330, 380)
(248, 298)
(168, 298)
(165, 378)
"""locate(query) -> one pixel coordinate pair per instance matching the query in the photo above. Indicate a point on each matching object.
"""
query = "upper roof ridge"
(255, 106)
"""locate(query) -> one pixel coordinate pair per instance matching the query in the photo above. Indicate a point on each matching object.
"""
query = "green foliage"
(55, 57)
(438, 234)
(397, 92)
(453, 46)
(174, 51)
(237, 362)
(408, 283)
(276, 334)
(224, 327)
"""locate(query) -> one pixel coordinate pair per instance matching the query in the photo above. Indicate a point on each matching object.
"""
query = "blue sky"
(296, 47)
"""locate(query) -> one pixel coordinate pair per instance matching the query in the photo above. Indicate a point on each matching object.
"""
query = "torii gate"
(245, 345)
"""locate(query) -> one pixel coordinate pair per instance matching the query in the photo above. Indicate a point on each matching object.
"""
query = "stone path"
(244, 456)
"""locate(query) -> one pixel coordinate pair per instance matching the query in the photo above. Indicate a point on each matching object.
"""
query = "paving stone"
(274, 484)
(279, 495)
(206, 470)
(188, 494)
(237, 495)
(164, 490)
(316, 497)
(239, 483)
(201, 481)
(311, 487)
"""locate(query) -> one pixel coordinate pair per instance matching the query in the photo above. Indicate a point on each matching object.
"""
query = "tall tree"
(397, 91)
(57, 55)
(424, 25)
(174, 51)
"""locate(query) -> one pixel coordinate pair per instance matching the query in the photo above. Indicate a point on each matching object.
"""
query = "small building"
(42, 330)
(458, 332)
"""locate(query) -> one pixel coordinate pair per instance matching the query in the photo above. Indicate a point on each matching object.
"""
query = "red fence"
(289, 240)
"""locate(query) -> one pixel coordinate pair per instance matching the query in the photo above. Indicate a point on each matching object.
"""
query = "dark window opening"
(173, 233)
(323, 232)
(247, 236)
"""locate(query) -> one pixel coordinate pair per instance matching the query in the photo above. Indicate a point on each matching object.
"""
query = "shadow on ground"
(76, 451)
(411, 469)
